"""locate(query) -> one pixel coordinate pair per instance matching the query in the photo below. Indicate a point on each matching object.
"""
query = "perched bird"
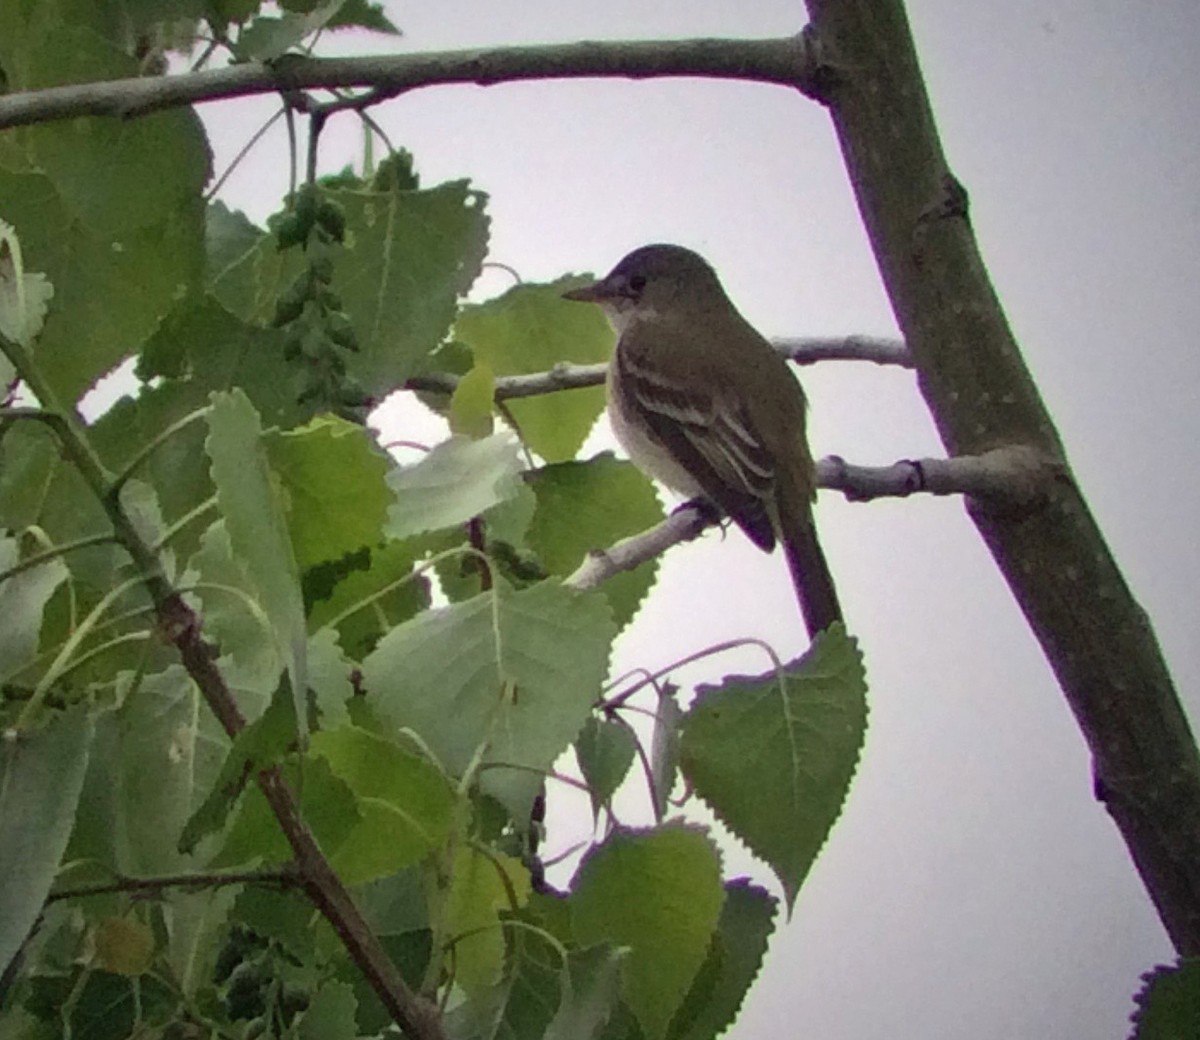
(702, 402)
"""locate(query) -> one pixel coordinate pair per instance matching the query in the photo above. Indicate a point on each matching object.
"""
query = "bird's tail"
(814, 586)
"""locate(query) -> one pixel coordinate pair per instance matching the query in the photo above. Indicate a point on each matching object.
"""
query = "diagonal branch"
(180, 625)
(1095, 635)
(786, 62)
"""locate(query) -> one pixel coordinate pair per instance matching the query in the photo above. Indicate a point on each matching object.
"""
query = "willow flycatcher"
(702, 402)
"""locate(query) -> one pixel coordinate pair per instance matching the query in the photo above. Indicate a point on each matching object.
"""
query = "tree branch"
(1011, 479)
(786, 62)
(181, 626)
(565, 376)
(1096, 637)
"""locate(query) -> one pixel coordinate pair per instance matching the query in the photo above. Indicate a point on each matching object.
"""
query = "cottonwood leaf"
(734, 959)
(587, 506)
(409, 255)
(605, 749)
(773, 756)
(24, 297)
(1168, 1005)
(41, 776)
(405, 804)
(481, 887)
(330, 1014)
(248, 496)
(590, 993)
(23, 598)
(459, 479)
(517, 671)
(531, 328)
(331, 477)
(657, 892)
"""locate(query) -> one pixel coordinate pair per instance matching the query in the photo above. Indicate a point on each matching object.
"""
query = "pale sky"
(973, 887)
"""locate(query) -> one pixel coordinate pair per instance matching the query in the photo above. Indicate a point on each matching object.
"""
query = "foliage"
(149, 886)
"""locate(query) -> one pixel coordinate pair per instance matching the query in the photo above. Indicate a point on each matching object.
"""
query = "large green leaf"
(116, 285)
(408, 257)
(657, 892)
(515, 671)
(41, 776)
(734, 958)
(459, 479)
(248, 495)
(531, 328)
(331, 476)
(405, 804)
(114, 175)
(773, 755)
(481, 887)
(586, 506)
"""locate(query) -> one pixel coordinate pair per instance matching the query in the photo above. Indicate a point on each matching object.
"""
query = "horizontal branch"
(144, 886)
(564, 376)
(1009, 477)
(786, 62)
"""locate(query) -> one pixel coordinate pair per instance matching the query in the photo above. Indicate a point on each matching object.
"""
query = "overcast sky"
(973, 888)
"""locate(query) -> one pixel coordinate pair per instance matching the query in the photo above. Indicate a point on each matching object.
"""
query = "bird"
(700, 401)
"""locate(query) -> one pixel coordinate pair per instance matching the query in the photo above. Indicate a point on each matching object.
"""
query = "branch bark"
(1007, 477)
(787, 62)
(1096, 637)
(179, 624)
(565, 376)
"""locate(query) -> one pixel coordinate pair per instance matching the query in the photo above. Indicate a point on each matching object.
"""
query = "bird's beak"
(597, 292)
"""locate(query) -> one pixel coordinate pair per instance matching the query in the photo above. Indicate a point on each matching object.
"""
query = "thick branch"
(1008, 478)
(787, 62)
(1097, 638)
(564, 376)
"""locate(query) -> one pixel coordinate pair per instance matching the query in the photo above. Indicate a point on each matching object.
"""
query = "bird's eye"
(638, 282)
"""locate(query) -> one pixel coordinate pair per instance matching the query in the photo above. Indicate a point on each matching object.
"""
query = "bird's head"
(650, 281)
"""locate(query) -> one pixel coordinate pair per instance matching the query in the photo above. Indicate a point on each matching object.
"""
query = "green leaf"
(248, 496)
(1168, 1006)
(385, 591)
(774, 755)
(605, 749)
(329, 673)
(23, 598)
(480, 888)
(330, 1015)
(409, 256)
(459, 479)
(331, 475)
(590, 993)
(41, 776)
(363, 14)
(24, 297)
(657, 892)
(522, 1003)
(472, 402)
(116, 284)
(515, 671)
(212, 349)
(734, 959)
(585, 506)
(405, 804)
(236, 623)
(114, 175)
(664, 748)
(531, 328)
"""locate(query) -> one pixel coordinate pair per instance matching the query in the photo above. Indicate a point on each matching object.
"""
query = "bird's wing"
(704, 428)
